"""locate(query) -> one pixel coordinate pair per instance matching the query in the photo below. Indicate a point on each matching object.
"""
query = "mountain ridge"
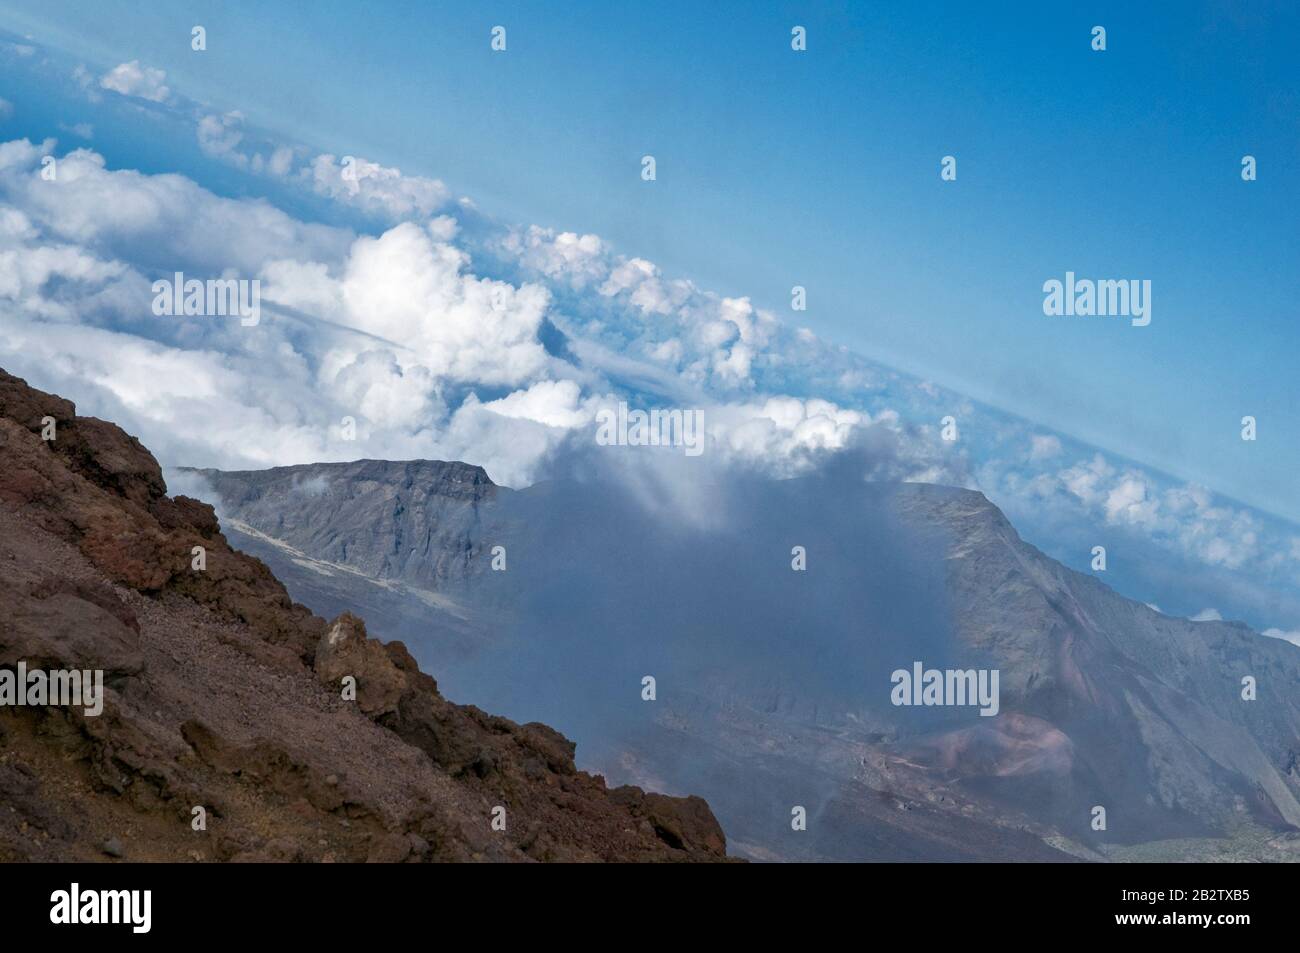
(1106, 702)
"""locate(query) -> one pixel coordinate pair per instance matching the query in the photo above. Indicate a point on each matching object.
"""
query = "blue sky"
(821, 169)
(775, 168)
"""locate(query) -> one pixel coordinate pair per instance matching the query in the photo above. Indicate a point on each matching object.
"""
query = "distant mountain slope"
(410, 521)
(774, 685)
(1151, 705)
(223, 694)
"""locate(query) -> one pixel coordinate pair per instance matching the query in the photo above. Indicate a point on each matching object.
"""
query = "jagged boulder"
(345, 650)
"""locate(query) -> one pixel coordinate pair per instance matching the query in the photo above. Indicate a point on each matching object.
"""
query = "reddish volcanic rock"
(225, 734)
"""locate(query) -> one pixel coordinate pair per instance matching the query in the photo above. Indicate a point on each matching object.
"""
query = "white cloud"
(206, 392)
(220, 136)
(371, 186)
(1086, 480)
(132, 79)
(1129, 501)
(782, 435)
(1187, 516)
(280, 162)
(578, 260)
(553, 403)
(1207, 615)
(1293, 637)
(387, 393)
(86, 80)
(641, 282)
(162, 221)
(433, 358)
(511, 449)
(405, 286)
(24, 271)
(1044, 447)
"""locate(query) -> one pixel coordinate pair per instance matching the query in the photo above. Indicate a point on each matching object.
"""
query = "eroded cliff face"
(221, 693)
(418, 521)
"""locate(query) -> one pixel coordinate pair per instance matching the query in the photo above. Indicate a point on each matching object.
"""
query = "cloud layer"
(424, 329)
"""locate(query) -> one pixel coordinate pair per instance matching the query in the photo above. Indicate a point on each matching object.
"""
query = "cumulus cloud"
(162, 222)
(376, 188)
(578, 260)
(403, 331)
(1186, 515)
(710, 340)
(387, 391)
(204, 391)
(430, 335)
(639, 281)
(133, 79)
(784, 430)
(220, 136)
(1293, 637)
(553, 403)
(406, 286)
(1129, 501)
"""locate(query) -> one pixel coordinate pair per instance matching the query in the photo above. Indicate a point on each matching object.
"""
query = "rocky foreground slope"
(223, 694)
